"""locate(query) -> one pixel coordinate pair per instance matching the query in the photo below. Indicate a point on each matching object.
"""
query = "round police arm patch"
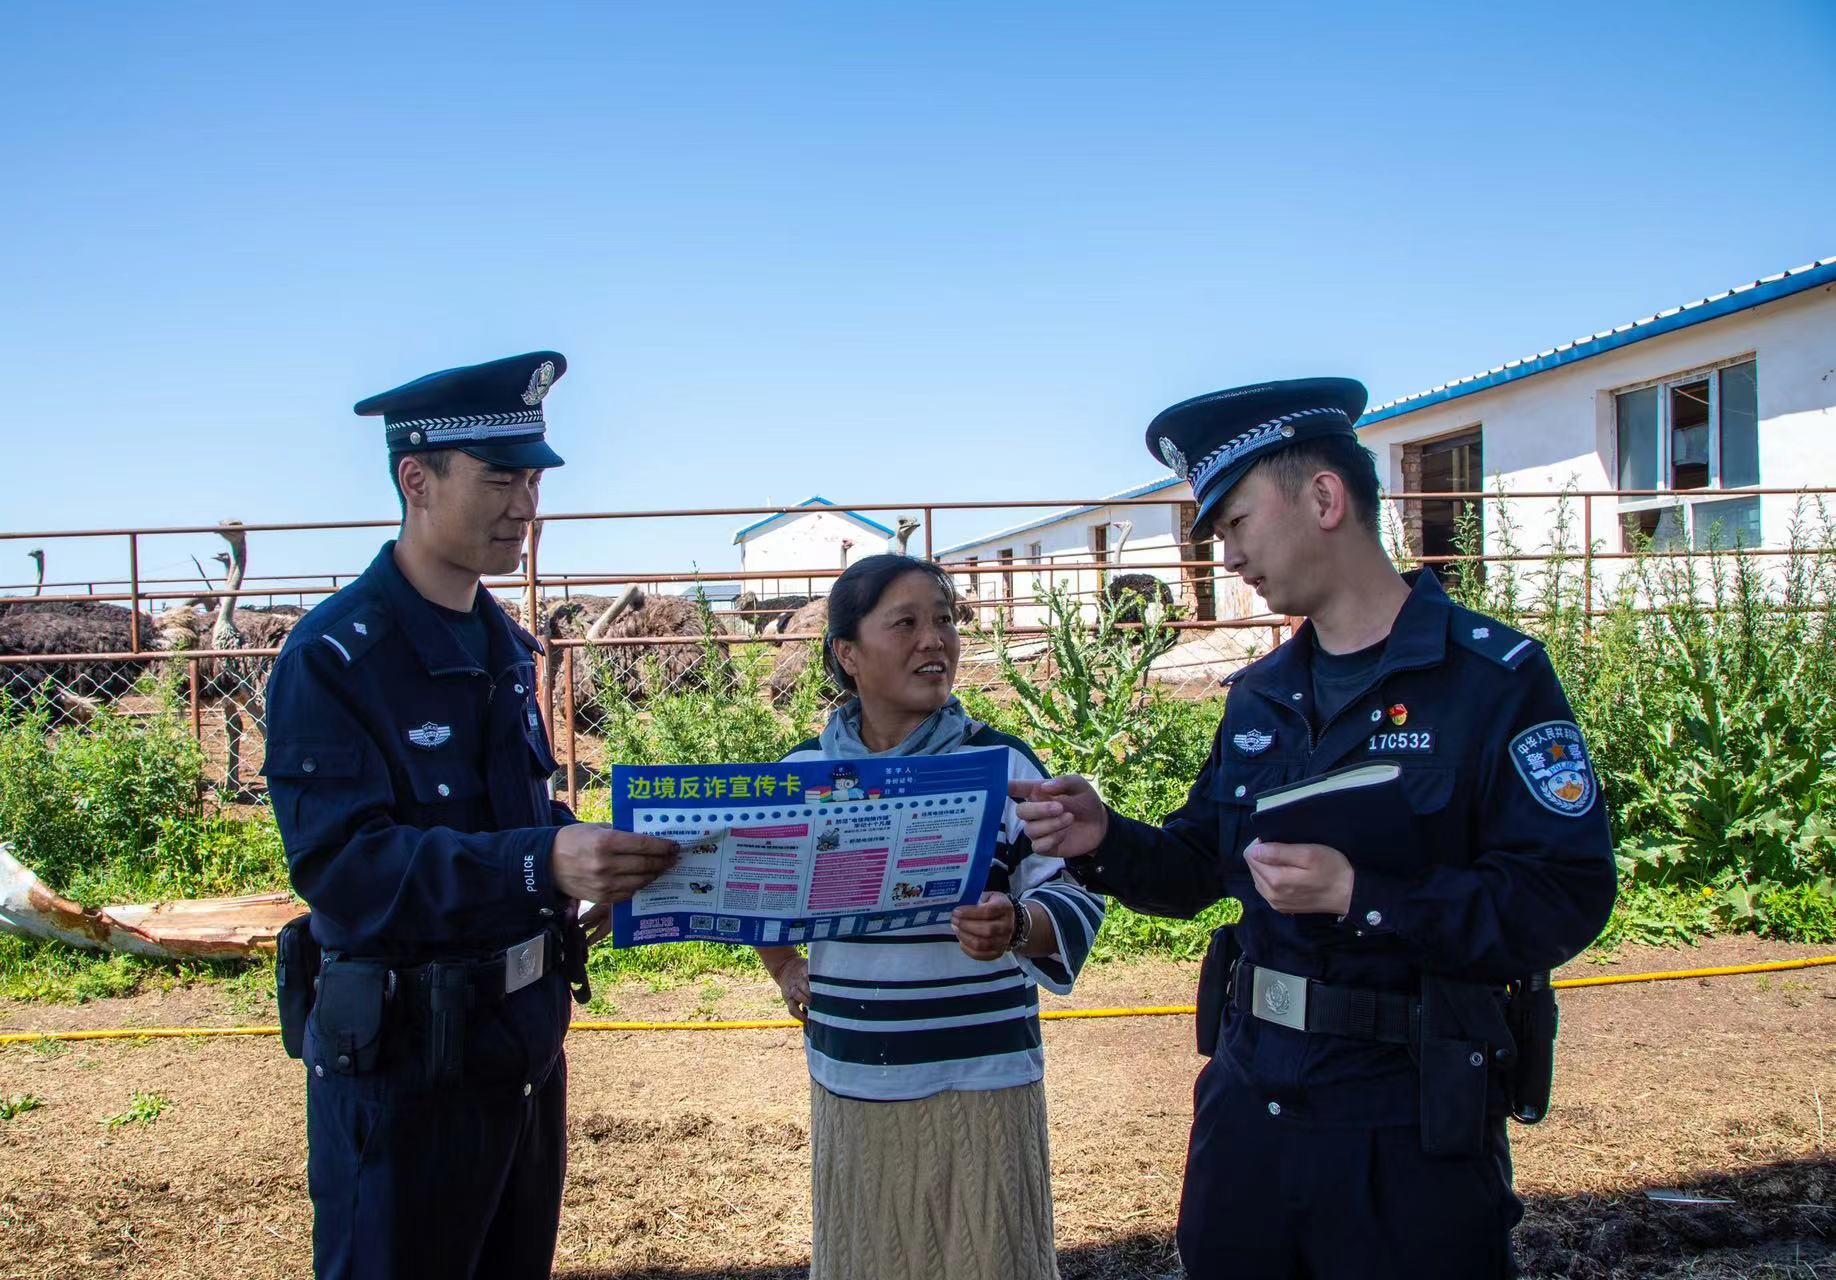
(1552, 760)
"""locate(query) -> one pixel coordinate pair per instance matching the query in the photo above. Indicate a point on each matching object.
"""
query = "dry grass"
(689, 1153)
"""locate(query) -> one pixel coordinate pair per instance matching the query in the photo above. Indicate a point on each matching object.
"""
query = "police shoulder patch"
(1552, 760)
(1492, 639)
(355, 633)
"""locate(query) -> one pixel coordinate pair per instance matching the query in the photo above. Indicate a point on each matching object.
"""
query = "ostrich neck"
(226, 607)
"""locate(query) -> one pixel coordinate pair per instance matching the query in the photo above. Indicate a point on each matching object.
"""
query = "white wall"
(1153, 541)
(802, 542)
(1543, 433)
(1557, 429)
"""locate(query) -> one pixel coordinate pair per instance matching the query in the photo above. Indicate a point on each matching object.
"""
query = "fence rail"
(141, 643)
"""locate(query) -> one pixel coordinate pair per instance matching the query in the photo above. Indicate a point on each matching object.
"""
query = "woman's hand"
(596, 923)
(792, 974)
(986, 930)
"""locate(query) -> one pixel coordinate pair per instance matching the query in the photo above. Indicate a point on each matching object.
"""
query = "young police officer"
(1351, 1120)
(409, 774)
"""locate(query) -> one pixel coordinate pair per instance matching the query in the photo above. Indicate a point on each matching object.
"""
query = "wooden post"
(197, 714)
(930, 552)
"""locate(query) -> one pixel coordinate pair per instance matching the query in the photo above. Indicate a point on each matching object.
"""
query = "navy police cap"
(1213, 440)
(492, 411)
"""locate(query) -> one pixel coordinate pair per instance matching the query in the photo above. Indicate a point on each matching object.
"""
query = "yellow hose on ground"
(786, 1024)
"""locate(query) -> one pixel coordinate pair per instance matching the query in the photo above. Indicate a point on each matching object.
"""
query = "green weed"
(144, 1108)
(19, 1104)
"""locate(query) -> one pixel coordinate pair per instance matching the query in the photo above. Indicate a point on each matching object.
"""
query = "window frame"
(1714, 490)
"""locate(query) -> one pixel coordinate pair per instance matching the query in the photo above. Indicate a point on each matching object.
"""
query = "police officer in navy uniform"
(409, 767)
(1350, 1122)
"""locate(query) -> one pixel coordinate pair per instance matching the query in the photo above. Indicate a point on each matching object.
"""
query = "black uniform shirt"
(409, 779)
(1340, 677)
(1514, 873)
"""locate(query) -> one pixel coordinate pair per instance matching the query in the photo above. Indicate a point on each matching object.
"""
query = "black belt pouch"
(296, 970)
(1214, 988)
(1456, 1068)
(350, 1012)
(450, 998)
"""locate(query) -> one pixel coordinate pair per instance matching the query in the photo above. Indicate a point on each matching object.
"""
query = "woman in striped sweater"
(927, 1107)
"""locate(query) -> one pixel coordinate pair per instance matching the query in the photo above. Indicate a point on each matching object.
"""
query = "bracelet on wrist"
(1023, 925)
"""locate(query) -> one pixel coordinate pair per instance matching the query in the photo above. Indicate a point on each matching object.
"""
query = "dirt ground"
(689, 1153)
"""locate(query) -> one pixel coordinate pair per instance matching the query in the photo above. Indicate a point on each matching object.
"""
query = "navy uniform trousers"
(1307, 1156)
(409, 776)
(1273, 1197)
(411, 1180)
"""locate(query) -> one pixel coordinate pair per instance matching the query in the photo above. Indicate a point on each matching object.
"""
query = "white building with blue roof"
(814, 536)
(1719, 399)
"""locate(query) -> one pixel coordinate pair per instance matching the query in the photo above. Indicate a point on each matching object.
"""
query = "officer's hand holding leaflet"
(1064, 816)
(603, 865)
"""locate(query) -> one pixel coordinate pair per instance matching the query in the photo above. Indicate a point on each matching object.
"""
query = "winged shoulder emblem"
(430, 735)
(1253, 742)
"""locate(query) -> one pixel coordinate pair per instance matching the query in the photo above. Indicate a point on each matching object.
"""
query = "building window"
(1452, 464)
(1699, 432)
(1035, 552)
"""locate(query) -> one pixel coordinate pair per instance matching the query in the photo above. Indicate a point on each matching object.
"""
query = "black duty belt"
(488, 977)
(445, 992)
(1307, 1004)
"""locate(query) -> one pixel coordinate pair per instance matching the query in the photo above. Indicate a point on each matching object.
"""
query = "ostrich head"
(231, 532)
(903, 531)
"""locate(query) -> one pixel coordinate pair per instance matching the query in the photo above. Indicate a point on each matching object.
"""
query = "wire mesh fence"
(201, 649)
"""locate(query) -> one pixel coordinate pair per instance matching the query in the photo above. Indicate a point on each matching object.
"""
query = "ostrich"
(239, 684)
(902, 533)
(76, 689)
(760, 612)
(49, 625)
(624, 669)
(1128, 594)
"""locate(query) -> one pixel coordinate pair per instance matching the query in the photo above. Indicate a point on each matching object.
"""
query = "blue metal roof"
(1739, 298)
(815, 500)
(1742, 297)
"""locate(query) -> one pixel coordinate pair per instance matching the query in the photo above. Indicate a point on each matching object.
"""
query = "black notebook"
(1361, 811)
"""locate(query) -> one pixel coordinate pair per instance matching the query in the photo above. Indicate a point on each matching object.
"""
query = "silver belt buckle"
(525, 963)
(1280, 998)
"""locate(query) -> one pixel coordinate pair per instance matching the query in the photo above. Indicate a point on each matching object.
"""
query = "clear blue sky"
(881, 252)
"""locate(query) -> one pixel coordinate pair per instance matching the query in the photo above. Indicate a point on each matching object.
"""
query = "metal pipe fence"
(147, 645)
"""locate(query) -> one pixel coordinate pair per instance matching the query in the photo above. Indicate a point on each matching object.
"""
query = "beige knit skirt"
(955, 1185)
